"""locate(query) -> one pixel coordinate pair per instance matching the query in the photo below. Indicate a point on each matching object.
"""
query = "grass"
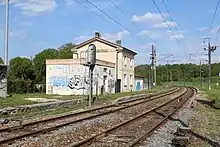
(206, 122)
(118, 95)
(43, 95)
(14, 101)
(19, 99)
(39, 113)
(213, 94)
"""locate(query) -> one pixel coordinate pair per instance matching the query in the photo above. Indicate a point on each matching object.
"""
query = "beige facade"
(122, 57)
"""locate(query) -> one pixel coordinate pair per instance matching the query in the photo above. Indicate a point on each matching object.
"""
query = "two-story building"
(122, 57)
(114, 70)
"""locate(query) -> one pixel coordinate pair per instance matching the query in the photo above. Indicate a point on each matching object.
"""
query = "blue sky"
(39, 24)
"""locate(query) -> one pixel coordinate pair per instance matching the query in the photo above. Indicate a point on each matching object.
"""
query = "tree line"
(178, 72)
(29, 75)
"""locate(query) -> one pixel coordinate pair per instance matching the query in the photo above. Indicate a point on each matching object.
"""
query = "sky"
(35, 25)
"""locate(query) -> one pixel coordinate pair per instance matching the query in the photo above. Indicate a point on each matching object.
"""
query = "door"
(138, 86)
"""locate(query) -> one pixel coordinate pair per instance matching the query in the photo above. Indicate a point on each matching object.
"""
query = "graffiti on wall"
(74, 78)
(74, 82)
(78, 82)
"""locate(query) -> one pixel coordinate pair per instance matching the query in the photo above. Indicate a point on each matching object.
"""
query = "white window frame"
(125, 60)
(131, 80)
(131, 62)
(125, 80)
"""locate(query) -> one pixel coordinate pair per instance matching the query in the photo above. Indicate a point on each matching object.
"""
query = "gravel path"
(164, 135)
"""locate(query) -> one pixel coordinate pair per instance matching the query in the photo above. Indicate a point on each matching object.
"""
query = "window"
(125, 80)
(131, 80)
(125, 59)
(105, 70)
(131, 62)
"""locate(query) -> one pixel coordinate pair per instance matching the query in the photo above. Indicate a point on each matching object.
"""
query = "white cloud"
(215, 29)
(108, 36)
(81, 39)
(165, 24)
(176, 36)
(155, 19)
(116, 36)
(69, 2)
(203, 29)
(207, 30)
(149, 18)
(147, 33)
(18, 34)
(33, 7)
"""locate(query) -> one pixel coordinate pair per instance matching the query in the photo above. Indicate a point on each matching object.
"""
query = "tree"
(1, 61)
(40, 64)
(65, 51)
(21, 68)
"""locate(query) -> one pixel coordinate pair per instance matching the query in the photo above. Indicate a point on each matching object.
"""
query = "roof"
(77, 61)
(105, 42)
(139, 76)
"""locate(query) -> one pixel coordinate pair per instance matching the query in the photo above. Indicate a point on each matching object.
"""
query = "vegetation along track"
(14, 133)
(133, 131)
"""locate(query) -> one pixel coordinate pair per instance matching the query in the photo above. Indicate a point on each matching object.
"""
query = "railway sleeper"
(117, 138)
(181, 141)
(183, 131)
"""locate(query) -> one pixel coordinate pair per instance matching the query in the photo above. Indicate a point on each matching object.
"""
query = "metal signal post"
(91, 60)
(153, 64)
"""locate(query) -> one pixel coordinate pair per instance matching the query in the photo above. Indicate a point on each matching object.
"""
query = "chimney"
(118, 42)
(97, 34)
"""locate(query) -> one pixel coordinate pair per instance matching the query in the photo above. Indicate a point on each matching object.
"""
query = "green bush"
(21, 86)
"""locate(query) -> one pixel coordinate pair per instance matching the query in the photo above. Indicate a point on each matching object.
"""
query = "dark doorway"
(118, 86)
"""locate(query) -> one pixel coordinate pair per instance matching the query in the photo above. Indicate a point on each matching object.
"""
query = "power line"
(216, 38)
(176, 27)
(166, 22)
(83, 5)
(213, 18)
(117, 7)
(169, 12)
(110, 17)
(124, 14)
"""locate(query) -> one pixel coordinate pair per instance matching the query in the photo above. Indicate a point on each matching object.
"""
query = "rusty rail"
(8, 140)
(85, 111)
(86, 141)
(161, 122)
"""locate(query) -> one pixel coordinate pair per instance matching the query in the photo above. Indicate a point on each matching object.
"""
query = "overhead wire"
(168, 25)
(165, 21)
(114, 20)
(83, 5)
(213, 18)
(171, 18)
(124, 14)
(217, 35)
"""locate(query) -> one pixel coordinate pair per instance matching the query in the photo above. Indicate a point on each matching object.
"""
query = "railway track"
(131, 132)
(31, 129)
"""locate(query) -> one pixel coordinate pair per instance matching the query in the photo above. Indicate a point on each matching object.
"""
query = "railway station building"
(113, 72)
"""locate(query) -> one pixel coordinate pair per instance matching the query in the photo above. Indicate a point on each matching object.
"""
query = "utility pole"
(153, 65)
(210, 50)
(6, 31)
(5, 92)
